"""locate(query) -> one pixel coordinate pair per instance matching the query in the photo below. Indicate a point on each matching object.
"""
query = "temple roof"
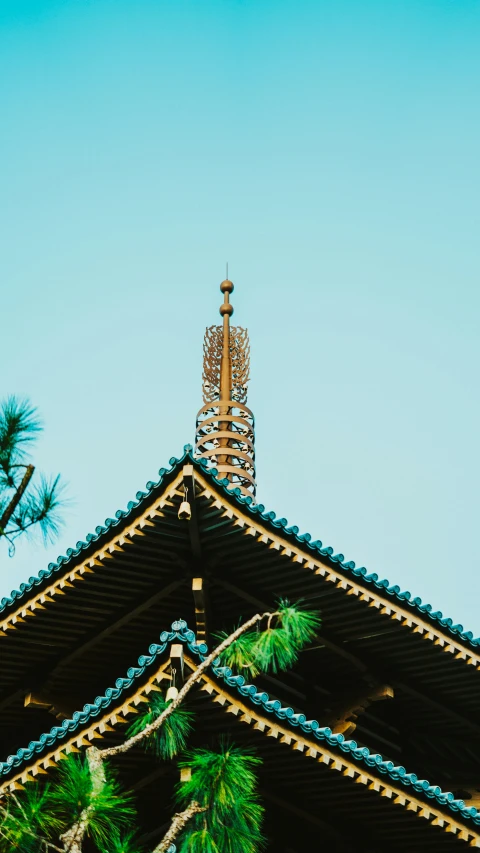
(124, 518)
(247, 703)
(63, 634)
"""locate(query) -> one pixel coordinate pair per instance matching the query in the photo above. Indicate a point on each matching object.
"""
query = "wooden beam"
(127, 614)
(343, 717)
(162, 770)
(177, 664)
(193, 529)
(370, 669)
(332, 834)
(347, 844)
(41, 699)
(200, 599)
(37, 677)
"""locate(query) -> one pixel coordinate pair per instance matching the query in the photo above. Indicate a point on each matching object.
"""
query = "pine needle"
(240, 655)
(25, 818)
(276, 648)
(19, 427)
(225, 782)
(302, 625)
(169, 739)
(107, 812)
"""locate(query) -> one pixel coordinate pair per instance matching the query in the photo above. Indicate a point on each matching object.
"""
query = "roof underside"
(86, 620)
(312, 785)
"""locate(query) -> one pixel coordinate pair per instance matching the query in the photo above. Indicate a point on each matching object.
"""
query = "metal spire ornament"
(225, 430)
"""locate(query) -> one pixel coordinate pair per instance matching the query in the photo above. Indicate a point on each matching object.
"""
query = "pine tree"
(221, 808)
(25, 505)
(224, 783)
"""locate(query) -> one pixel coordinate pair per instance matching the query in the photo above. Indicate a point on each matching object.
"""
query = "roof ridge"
(181, 631)
(269, 517)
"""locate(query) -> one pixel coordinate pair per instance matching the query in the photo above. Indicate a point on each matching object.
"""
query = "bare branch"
(72, 839)
(194, 678)
(16, 498)
(179, 822)
(6, 813)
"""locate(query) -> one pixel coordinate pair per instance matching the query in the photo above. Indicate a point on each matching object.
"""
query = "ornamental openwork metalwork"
(225, 428)
(240, 361)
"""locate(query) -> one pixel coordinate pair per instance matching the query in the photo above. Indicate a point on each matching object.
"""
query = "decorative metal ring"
(234, 446)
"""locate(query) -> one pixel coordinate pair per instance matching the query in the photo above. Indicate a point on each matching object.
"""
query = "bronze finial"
(226, 311)
(225, 426)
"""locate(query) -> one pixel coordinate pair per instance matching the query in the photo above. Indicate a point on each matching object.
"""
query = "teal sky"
(329, 150)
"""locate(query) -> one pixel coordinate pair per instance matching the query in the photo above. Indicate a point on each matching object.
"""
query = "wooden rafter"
(254, 716)
(200, 599)
(193, 528)
(343, 717)
(386, 606)
(368, 669)
(52, 668)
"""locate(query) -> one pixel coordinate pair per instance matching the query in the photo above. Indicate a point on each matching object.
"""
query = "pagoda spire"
(226, 311)
(225, 433)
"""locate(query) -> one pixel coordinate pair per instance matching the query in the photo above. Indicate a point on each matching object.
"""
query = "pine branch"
(178, 824)
(194, 678)
(6, 814)
(72, 839)
(11, 507)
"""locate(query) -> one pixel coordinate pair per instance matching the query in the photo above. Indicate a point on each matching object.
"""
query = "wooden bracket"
(193, 531)
(176, 661)
(41, 699)
(343, 719)
(470, 794)
(200, 599)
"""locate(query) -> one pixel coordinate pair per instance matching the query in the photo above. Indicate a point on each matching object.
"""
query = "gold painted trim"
(84, 737)
(100, 558)
(386, 607)
(321, 753)
(272, 727)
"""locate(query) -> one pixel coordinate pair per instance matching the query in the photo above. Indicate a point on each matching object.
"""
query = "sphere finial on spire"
(226, 287)
(225, 432)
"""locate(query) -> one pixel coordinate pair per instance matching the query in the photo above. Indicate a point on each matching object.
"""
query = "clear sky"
(329, 150)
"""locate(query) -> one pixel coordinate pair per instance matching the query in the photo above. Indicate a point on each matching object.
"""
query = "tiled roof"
(273, 707)
(102, 533)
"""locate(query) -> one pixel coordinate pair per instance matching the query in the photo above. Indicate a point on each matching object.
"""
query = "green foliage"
(19, 426)
(171, 737)
(240, 655)
(40, 507)
(24, 817)
(302, 625)
(106, 811)
(124, 844)
(25, 505)
(276, 648)
(225, 782)
(275, 651)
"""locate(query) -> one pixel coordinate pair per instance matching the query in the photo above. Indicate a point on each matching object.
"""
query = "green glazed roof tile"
(250, 693)
(269, 518)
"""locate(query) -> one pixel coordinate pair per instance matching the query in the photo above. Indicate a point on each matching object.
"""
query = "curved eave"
(400, 607)
(254, 708)
(126, 523)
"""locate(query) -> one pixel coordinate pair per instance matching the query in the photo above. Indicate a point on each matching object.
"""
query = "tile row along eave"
(112, 708)
(386, 598)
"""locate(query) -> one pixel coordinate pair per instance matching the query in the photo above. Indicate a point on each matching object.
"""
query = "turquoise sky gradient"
(330, 151)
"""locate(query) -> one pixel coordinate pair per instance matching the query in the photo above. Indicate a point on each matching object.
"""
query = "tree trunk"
(178, 824)
(158, 723)
(72, 839)
(11, 507)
